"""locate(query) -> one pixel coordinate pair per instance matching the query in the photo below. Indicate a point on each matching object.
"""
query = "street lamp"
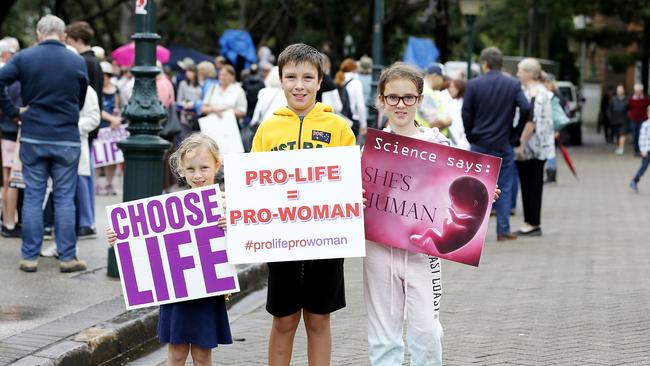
(143, 149)
(377, 43)
(580, 23)
(470, 9)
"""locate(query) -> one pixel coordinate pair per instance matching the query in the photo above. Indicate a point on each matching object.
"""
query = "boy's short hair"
(298, 53)
(80, 31)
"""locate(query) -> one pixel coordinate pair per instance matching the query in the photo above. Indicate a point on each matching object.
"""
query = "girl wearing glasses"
(400, 284)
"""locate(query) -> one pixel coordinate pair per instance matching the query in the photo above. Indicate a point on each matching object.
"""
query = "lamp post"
(580, 23)
(377, 50)
(470, 9)
(143, 149)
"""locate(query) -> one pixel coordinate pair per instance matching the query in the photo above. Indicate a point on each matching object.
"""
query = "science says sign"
(294, 205)
(170, 249)
(427, 198)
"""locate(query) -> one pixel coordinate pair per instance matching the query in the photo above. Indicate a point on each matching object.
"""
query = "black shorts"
(314, 285)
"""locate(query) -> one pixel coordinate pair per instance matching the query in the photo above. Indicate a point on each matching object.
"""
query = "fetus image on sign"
(469, 202)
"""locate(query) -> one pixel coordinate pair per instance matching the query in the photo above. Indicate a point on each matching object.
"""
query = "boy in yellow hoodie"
(311, 288)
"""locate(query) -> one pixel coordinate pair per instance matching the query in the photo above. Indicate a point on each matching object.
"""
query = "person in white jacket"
(89, 117)
(269, 98)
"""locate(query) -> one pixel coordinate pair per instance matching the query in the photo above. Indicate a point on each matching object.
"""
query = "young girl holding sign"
(199, 325)
(411, 279)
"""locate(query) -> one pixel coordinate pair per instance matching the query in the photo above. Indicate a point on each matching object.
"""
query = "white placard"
(224, 130)
(104, 150)
(169, 248)
(294, 205)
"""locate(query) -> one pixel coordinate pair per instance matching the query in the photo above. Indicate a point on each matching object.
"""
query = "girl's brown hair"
(193, 142)
(400, 70)
(347, 65)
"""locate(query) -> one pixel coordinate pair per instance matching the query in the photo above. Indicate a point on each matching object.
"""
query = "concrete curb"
(124, 336)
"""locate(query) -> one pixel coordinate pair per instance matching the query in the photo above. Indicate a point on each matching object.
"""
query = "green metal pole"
(377, 51)
(470, 47)
(143, 149)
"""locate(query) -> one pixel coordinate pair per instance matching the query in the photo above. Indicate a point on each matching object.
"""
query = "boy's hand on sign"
(111, 236)
(497, 193)
(363, 192)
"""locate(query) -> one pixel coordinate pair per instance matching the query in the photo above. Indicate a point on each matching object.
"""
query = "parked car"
(458, 69)
(573, 107)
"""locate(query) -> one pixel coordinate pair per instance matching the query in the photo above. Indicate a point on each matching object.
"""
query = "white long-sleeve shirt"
(89, 117)
(357, 99)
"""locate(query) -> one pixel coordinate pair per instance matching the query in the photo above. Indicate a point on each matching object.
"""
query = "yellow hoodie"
(320, 128)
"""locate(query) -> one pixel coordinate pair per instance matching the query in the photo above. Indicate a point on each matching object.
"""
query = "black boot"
(550, 175)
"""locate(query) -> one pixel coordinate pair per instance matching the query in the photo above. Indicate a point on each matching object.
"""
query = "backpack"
(252, 85)
(346, 110)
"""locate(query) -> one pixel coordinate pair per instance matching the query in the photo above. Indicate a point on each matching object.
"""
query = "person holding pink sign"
(193, 326)
(397, 283)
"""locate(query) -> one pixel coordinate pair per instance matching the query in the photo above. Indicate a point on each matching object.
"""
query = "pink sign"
(427, 198)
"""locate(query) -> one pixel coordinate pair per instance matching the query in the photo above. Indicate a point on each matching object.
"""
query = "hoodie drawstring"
(406, 282)
(391, 281)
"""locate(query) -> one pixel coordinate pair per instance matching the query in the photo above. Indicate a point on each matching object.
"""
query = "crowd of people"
(54, 98)
(622, 115)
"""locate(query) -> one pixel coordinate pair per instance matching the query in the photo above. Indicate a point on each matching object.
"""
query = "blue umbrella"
(238, 43)
(421, 52)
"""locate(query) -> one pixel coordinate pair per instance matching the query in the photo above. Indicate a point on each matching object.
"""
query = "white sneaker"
(619, 151)
(49, 251)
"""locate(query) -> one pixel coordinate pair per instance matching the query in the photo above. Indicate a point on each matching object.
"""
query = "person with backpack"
(350, 90)
(252, 85)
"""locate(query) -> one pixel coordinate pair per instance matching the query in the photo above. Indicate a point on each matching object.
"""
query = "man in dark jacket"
(488, 114)
(54, 85)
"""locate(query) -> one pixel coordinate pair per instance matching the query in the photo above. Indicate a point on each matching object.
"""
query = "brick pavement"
(579, 295)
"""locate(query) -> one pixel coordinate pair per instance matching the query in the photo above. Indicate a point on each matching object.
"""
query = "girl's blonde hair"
(193, 142)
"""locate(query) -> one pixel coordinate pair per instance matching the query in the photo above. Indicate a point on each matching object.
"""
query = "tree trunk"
(5, 9)
(645, 48)
(441, 31)
(242, 14)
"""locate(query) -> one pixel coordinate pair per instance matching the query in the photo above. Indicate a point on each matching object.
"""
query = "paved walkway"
(579, 295)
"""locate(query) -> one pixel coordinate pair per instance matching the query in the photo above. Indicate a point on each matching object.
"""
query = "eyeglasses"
(393, 100)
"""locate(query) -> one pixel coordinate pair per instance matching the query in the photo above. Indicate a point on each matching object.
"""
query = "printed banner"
(224, 131)
(427, 198)
(170, 249)
(294, 205)
(105, 151)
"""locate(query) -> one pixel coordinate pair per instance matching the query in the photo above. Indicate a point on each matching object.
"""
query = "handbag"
(560, 119)
(172, 125)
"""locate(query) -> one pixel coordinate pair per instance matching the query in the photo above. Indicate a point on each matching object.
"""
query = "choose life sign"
(170, 249)
(294, 205)
(104, 149)
(427, 198)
